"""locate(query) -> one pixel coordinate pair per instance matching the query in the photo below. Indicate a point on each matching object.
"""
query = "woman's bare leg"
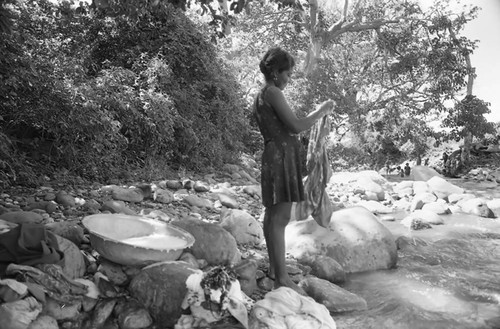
(276, 219)
(267, 236)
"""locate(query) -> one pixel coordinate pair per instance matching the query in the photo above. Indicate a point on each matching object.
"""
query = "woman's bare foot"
(290, 284)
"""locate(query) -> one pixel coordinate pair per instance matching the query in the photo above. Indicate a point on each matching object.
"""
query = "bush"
(97, 95)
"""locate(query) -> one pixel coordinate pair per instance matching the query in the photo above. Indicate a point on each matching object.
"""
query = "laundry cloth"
(317, 203)
(28, 244)
(284, 308)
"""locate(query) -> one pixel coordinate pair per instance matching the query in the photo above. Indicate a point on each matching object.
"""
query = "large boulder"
(494, 205)
(332, 296)
(212, 242)
(424, 173)
(242, 226)
(355, 239)
(21, 217)
(161, 288)
(442, 188)
(476, 206)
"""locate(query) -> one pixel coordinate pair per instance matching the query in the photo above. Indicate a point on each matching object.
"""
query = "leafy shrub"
(209, 124)
(98, 95)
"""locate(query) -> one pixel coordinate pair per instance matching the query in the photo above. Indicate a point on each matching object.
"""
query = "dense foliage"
(121, 86)
(390, 66)
(98, 95)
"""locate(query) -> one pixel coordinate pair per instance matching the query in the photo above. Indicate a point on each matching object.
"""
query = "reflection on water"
(449, 283)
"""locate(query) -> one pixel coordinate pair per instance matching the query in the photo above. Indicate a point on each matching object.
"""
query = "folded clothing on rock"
(284, 308)
(28, 244)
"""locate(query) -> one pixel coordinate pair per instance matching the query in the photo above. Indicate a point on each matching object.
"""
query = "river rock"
(326, 268)
(437, 207)
(131, 315)
(494, 205)
(212, 242)
(73, 264)
(403, 189)
(422, 216)
(21, 217)
(201, 187)
(113, 272)
(65, 199)
(161, 288)
(12, 290)
(196, 201)
(403, 185)
(44, 322)
(371, 189)
(61, 311)
(247, 275)
(92, 290)
(355, 238)
(247, 176)
(49, 196)
(242, 226)
(419, 200)
(424, 173)
(476, 206)
(223, 188)
(420, 187)
(127, 194)
(442, 188)
(92, 206)
(332, 296)
(37, 205)
(102, 311)
(173, 184)
(375, 207)
(163, 196)
(117, 207)
(253, 190)
(228, 201)
(147, 190)
(69, 230)
(457, 197)
(155, 214)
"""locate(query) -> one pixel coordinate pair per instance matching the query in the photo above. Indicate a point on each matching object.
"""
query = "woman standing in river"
(281, 173)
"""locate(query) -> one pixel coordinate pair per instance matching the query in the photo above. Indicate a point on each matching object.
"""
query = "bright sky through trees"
(486, 57)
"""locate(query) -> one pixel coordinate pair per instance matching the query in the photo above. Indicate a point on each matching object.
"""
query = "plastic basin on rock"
(135, 240)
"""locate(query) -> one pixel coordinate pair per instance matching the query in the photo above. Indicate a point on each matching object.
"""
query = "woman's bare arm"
(296, 125)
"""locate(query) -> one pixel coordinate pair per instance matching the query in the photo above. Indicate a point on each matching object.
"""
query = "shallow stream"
(446, 277)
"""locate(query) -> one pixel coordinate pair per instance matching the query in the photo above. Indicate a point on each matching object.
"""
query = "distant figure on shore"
(387, 167)
(445, 158)
(407, 169)
(426, 162)
(400, 171)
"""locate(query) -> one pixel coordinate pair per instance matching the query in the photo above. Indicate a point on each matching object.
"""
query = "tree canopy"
(132, 83)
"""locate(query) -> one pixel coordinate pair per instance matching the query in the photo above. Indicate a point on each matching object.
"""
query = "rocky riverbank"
(223, 213)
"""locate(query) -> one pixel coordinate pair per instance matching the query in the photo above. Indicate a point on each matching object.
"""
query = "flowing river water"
(446, 277)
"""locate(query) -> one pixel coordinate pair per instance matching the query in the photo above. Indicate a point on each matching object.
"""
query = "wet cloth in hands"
(317, 203)
(28, 244)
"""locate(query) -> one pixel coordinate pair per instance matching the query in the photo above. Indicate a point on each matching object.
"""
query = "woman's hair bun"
(275, 59)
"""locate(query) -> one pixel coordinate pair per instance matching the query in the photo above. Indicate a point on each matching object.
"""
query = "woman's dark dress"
(281, 173)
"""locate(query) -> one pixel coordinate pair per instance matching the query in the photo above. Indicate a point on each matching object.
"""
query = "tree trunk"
(320, 36)
(226, 25)
(465, 156)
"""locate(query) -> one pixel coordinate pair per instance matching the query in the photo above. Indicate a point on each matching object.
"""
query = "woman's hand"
(326, 107)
